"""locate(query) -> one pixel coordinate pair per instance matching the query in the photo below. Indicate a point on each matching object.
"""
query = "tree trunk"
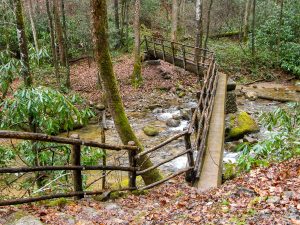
(199, 28)
(246, 20)
(253, 29)
(117, 22)
(110, 86)
(137, 69)
(53, 48)
(208, 23)
(59, 33)
(174, 20)
(33, 27)
(22, 40)
(65, 42)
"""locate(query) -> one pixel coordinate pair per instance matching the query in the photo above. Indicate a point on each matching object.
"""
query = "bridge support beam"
(211, 174)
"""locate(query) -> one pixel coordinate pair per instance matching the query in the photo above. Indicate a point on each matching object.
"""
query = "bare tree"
(208, 23)
(137, 70)
(246, 20)
(174, 20)
(53, 48)
(34, 34)
(59, 33)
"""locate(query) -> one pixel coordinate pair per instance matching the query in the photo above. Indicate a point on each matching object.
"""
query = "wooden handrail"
(62, 140)
(163, 162)
(54, 168)
(161, 144)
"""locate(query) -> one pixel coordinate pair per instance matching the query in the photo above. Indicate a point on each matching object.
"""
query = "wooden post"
(173, 52)
(190, 175)
(183, 56)
(103, 127)
(132, 162)
(194, 110)
(75, 161)
(154, 48)
(163, 49)
(146, 43)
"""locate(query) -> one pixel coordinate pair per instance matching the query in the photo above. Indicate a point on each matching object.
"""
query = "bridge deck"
(211, 173)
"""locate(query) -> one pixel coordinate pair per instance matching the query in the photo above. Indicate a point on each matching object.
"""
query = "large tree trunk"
(53, 48)
(137, 69)
(208, 23)
(246, 20)
(59, 33)
(174, 20)
(65, 42)
(22, 40)
(35, 39)
(110, 86)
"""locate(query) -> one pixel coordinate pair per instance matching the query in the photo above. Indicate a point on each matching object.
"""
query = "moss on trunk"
(110, 85)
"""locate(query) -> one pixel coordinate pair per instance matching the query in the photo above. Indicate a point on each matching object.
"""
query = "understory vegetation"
(280, 141)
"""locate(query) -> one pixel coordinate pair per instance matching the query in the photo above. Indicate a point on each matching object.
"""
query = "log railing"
(75, 166)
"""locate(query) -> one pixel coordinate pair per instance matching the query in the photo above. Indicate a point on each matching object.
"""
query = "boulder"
(239, 125)
(185, 114)
(150, 130)
(173, 123)
(21, 218)
(251, 95)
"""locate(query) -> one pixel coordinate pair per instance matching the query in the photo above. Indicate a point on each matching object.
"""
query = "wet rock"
(249, 140)
(153, 106)
(150, 130)
(273, 199)
(177, 116)
(157, 110)
(231, 85)
(185, 114)
(239, 125)
(231, 106)
(297, 83)
(100, 107)
(153, 62)
(251, 95)
(173, 123)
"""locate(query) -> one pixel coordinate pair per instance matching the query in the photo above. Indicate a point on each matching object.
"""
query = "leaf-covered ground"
(263, 196)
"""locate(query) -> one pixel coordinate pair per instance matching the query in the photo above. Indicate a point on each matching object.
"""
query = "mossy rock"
(58, 202)
(22, 218)
(241, 124)
(150, 130)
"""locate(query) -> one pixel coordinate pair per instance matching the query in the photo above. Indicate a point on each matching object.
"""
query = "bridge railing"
(188, 57)
(75, 165)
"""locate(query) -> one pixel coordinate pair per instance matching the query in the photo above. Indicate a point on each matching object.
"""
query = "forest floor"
(263, 196)
(158, 80)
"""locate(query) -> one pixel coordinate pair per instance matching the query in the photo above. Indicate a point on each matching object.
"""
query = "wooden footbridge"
(204, 137)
